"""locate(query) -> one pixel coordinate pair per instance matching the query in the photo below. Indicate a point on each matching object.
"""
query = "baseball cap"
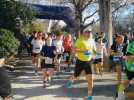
(87, 31)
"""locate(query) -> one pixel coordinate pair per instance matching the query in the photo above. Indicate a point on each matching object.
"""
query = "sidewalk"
(27, 86)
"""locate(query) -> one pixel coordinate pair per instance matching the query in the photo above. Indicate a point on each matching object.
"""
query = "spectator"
(5, 85)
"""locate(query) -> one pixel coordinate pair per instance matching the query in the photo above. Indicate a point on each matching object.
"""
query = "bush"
(8, 42)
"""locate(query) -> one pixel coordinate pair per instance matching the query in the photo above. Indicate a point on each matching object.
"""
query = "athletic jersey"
(130, 51)
(37, 45)
(48, 51)
(59, 46)
(67, 43)
(100, 50)
(116, 48)
(84, 45)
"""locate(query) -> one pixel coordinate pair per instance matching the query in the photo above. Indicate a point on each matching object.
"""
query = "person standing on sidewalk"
(85, 49)
(5, 84)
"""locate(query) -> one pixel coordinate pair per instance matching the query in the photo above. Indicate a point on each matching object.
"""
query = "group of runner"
(88, 51)
(47, 52)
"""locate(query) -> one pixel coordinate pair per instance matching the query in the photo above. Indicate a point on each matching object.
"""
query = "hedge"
(8, 43)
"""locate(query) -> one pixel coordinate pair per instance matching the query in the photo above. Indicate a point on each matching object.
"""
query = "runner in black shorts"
(84, 50)
(47, 65)
(100, 51)
(116, 56)
(122, 94)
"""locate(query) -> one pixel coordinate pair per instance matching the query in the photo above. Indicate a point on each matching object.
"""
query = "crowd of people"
(88, 50)
(49, 50)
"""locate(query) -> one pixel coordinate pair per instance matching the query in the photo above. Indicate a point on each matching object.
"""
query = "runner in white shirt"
(37, 44)
(101, 50)
(58, 42)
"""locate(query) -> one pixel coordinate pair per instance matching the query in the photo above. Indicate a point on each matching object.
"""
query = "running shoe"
(44, 84)
(121, 96)
(36, 73)
(89, 98)
(69, 84)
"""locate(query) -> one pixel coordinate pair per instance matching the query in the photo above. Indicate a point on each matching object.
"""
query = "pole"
(50, 22)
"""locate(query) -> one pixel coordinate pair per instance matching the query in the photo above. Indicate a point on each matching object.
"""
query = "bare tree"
(80, 6)
(106, 19)
(117, 5)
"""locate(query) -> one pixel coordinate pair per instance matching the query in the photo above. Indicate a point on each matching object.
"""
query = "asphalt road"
(27, 86)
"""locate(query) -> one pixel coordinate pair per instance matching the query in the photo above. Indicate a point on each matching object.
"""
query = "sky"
(124, 12)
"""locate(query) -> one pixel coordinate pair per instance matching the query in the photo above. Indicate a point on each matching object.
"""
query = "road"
(28, 86)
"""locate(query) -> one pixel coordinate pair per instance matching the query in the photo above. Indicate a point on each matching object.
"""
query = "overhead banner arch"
(65, 13)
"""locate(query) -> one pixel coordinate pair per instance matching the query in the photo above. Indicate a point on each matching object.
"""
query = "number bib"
(48, 60)
(116, 58)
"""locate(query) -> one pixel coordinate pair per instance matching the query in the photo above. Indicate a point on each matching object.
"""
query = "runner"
(67, 43)
(48, 53)
(129, 73)
(85, 49)
(98, 62)
(116, 56)
(37, 44)
(58, 43)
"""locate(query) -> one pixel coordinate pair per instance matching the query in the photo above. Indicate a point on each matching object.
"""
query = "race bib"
(48, 60)
(116, 58)
(87, 53)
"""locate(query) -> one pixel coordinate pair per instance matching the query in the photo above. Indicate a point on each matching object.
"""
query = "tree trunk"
(106, 25)
(106, 19)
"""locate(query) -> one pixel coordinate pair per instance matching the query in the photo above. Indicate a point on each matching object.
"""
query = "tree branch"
(74, 2)
(85, 6)
(85, 26)
(90, 16)
(114, 10)
(120, 6)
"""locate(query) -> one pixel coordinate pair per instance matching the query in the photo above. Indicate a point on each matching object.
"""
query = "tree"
(106, 19)
(10, 10)
(34, 26)
(117, 6)
(80, 6)
(8, 42)
(56, 26)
